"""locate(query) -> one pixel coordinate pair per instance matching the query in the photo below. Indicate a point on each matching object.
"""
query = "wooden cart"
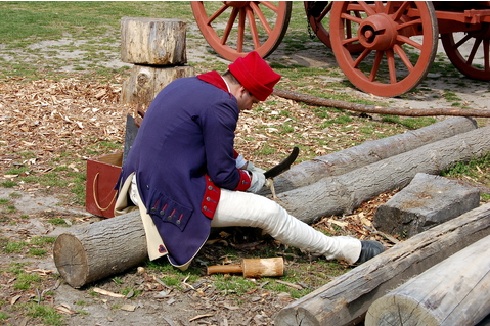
(384, 48)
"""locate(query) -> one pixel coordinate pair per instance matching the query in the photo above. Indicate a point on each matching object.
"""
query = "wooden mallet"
(269, 267)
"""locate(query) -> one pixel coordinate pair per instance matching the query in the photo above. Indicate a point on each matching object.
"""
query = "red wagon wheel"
(316, 13)
(235, 28)
(399, 40)
(470, 52)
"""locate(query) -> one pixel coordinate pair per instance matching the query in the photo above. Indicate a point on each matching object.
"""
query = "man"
(184, 176)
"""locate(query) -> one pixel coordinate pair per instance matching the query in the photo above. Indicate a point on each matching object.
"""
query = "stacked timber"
(346, 299)
(157, 49)
(344, 191)
(453, 292)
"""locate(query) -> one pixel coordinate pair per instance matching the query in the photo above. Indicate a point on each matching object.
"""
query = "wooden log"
(334, 164)
(153, 41)
(346, 299)
(427, 201)
(342, 194)
(95, 251)
(145, 82)
(313, 100)
(454, 292)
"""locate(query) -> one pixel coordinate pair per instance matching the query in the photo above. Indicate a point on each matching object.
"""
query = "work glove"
(252, 168)
(258, 181)
(243, 164)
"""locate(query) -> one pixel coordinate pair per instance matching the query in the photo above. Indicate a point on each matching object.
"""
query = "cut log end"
(71, 260)
(395, 310)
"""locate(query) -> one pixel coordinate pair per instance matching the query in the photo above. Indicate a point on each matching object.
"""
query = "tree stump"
(153, 41)
(346, 299)
(347, 160)
(145, 82)
(101, 249)
(454, 292)
(157, 47)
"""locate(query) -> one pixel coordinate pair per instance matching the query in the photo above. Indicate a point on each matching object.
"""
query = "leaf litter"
(47, 124)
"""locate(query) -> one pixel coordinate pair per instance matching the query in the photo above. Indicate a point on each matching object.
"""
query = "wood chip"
(293, 285)
(14, 299)
(128, 308)
(109, 293)
(200, 317)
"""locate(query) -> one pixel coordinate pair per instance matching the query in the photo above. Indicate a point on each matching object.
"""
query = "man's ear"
(243, 90)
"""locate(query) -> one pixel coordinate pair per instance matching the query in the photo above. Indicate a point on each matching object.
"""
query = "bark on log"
(334, 164)
(145, 82)
(313, 100)
(345, 300)
(101, 249)
(153, 41)
(454, 292)
(342, 194)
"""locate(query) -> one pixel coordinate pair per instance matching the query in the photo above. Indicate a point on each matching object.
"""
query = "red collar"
(215, 79)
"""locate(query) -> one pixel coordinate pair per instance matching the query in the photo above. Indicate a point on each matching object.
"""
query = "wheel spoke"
(474, 49)
(229, 26)
(369, 11)
(466, 38)
(241, 30)
(325, 11)
(349, 17)
(263, 20)
(409, 41)
(351, 40)
(486, 50)
(391, 66)
(401, 10)
(389, 7)
(378, 6)
(408, 24)
(216, 14)
(403, 56)
(377, 62)
(253, 27)
(269, 5)
(361, 57)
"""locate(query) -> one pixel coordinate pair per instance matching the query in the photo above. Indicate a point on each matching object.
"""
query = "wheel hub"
(378, 32)
(236, 4)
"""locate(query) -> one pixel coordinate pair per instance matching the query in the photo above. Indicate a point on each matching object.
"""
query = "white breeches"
(247, 209)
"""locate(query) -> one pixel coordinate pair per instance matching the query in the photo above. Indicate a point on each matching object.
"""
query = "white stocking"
(246, 209)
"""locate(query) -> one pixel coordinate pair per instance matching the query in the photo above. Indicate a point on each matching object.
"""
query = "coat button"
(210, 187)
(205, 207)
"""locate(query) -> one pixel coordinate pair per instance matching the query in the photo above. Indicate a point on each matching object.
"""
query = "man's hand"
(252, 168)
(243, 164)
(258, 181)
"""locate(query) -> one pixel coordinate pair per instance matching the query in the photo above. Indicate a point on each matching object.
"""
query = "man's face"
(245, 99)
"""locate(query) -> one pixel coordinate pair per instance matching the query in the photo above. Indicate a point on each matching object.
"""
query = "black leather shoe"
(369, 249)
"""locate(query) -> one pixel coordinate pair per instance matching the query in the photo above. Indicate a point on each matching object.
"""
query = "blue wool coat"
(182, 156)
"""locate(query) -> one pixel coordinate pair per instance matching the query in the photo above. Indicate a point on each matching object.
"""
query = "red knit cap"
(253, 73)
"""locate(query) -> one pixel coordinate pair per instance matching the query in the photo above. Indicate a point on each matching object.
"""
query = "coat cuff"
(245, 181)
